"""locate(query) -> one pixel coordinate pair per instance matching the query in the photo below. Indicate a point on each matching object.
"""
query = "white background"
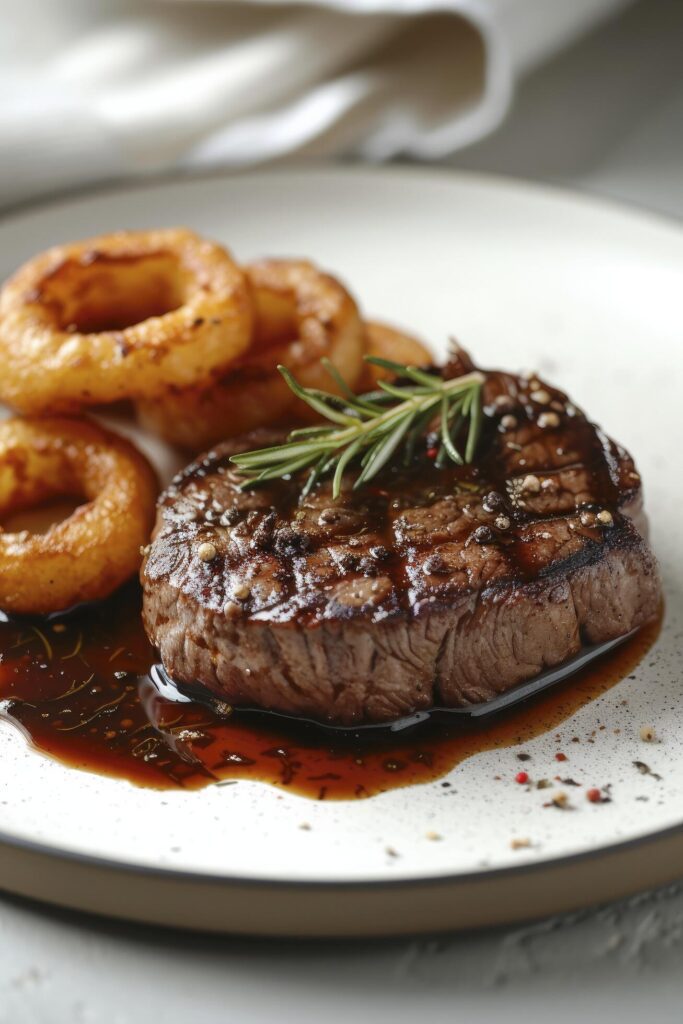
(605, 117)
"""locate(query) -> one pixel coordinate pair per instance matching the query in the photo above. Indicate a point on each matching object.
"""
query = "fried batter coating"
(300, 315)
(122, 316)
(94, 550)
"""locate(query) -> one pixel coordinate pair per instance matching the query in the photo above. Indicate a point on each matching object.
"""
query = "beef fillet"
(428, 587)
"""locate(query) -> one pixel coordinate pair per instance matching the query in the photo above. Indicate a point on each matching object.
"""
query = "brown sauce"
(79, 689)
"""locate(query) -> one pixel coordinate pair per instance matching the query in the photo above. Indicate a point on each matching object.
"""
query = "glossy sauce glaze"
(79, 687)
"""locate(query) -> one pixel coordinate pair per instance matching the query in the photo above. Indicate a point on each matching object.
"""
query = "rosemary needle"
(373, 428)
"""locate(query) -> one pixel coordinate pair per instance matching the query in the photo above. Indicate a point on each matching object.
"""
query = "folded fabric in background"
(92, 92)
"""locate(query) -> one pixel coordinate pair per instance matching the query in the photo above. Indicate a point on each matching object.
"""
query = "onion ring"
(387, 342)
(300, 315)
(95, 549)
(122, 316)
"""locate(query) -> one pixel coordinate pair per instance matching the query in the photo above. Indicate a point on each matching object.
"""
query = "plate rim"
(248, 908)
(215, 878)
(600, 204)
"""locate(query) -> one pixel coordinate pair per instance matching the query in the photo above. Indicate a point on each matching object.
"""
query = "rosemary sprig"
(372, 427)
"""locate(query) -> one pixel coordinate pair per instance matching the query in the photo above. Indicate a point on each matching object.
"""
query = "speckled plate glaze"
(526, 277)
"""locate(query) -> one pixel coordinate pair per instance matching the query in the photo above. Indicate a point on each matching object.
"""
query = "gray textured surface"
(614, 964)
(606, 117)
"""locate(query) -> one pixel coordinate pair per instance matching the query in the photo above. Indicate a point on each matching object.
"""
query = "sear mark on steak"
(429, 587)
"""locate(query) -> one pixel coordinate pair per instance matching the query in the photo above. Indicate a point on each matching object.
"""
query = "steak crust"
(432, 587)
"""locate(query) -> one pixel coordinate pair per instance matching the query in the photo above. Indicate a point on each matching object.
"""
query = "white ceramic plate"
(588, 294)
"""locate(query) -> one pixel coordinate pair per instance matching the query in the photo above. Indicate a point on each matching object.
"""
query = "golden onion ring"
(121, 316)
(300, 315)
(95, 549)
(386, 342)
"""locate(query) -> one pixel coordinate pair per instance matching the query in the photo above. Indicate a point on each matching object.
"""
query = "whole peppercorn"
(207, 552)
(493, 502)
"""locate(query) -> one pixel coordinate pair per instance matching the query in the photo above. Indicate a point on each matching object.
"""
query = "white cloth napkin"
(92, 92)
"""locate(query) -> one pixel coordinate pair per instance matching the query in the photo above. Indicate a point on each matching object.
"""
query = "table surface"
(605, 117)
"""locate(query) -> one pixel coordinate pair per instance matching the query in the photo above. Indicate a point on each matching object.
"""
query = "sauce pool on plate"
(82, 690)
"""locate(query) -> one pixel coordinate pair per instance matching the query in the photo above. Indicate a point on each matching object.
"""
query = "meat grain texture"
(430, 587)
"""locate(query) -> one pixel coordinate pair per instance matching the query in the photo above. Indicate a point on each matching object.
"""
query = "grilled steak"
(429, 587)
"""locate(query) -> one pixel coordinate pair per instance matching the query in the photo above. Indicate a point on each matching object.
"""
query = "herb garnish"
(372, 427)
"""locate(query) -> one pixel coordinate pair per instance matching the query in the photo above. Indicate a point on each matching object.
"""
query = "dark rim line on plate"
(482, 876)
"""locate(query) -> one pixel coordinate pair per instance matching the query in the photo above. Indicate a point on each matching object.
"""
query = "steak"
(429, 587)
